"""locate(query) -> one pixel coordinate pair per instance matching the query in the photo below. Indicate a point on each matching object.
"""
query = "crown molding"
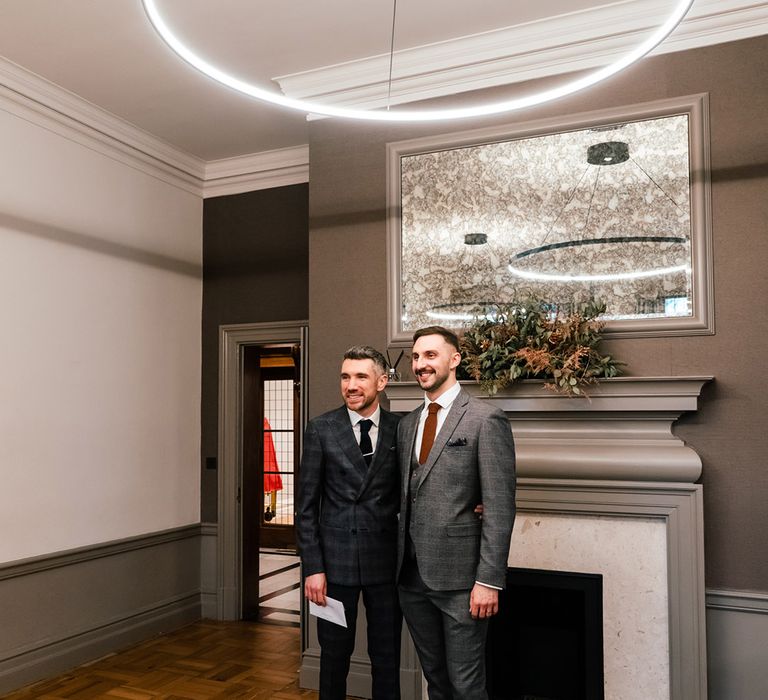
(51, 107)
(257, 171)
(585, 39)
(41, 102)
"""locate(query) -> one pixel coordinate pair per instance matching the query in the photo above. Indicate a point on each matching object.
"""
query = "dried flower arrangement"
(529, 340)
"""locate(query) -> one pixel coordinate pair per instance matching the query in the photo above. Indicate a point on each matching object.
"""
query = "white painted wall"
(100, 312)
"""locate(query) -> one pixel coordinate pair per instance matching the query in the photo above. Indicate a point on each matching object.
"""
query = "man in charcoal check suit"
(455, 452)
(346, 525)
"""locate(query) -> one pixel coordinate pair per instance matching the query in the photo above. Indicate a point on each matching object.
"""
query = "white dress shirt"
(445, 401)
(373, 433)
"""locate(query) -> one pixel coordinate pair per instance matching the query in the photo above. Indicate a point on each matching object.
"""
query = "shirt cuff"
(488, 585)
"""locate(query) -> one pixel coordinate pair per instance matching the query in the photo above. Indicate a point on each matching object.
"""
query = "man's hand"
(483, 602)
(314, 588)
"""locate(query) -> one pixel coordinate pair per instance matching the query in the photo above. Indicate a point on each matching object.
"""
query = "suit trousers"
(384, 623)
(450, 644)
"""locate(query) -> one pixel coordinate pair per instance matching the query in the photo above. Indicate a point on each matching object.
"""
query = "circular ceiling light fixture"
(242, 86)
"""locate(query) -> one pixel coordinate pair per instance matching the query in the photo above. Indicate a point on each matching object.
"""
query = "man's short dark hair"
(450, 337)
(366, 352)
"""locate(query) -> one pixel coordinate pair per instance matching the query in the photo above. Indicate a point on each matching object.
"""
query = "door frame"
(232, 339)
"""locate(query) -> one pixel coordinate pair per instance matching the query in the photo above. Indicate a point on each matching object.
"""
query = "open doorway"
(241, 504)
(270, 449)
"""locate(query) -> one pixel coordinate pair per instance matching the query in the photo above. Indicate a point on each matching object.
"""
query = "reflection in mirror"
(603, 213)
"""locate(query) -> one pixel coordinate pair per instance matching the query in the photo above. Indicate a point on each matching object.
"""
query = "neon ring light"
(242, 86)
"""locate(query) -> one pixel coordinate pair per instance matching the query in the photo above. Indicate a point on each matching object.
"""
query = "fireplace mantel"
(621, 432)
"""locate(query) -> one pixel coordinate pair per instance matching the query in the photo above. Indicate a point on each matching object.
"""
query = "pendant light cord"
(663, 191)
(591, 199)
(391, 53)
(568, 201)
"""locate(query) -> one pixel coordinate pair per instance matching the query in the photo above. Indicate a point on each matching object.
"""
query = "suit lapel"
(408, 428)
(383, 441)
(342, 430)
(455, 414)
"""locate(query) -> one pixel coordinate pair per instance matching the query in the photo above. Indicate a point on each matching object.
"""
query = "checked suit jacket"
(472, 461)
(346, 520)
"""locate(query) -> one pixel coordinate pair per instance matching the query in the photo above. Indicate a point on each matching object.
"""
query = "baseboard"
(69, 608)
(209, 605)
(411, 684)
(57, 657)
(359, 678)
(309, 671)
(208, 593)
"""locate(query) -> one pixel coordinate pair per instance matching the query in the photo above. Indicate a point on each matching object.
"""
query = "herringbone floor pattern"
(204, 661)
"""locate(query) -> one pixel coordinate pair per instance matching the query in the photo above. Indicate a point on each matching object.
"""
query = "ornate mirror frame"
(695, 107)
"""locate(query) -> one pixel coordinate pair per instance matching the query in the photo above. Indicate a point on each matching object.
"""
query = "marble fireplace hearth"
(605, 487)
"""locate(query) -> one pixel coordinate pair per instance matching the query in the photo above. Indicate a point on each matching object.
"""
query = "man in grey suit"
(455, 451)
(346, 525)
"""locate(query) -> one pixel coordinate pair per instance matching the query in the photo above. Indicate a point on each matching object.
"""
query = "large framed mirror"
(610, 205)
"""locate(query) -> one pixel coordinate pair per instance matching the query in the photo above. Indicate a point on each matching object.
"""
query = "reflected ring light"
(612, 277)
(242, 86)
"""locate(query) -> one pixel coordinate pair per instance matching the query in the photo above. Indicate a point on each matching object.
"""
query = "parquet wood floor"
(204, 661)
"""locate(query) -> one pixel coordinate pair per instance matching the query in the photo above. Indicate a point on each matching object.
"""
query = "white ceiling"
(106, 52)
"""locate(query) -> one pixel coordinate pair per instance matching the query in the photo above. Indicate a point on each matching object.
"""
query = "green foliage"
(528, 340)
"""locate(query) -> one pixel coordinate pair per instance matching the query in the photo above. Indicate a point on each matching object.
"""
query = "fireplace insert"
(546, 643)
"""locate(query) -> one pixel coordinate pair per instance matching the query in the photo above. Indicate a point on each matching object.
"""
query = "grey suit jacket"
(346, 519)
(472, 461)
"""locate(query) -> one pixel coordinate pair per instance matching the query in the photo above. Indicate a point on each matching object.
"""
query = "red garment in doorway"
(272, 480)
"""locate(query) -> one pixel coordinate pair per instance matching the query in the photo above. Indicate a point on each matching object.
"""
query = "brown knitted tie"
(430, 428)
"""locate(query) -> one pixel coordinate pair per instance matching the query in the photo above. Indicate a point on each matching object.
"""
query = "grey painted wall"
(58, 611)
(348, 283)
(255, 269)
(737, 630)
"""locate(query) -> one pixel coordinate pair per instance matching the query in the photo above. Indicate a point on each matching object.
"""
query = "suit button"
(413, 500)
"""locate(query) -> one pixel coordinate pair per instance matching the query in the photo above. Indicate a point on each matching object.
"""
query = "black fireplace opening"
(546, 643)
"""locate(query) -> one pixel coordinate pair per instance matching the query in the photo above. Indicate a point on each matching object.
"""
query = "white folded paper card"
(333, 611)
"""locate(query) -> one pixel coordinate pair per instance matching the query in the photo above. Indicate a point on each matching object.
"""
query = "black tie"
(365, 440)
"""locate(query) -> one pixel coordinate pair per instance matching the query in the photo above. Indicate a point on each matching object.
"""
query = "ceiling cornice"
(43, 103)
(562, 44)
(51, 107)
(257, 171)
